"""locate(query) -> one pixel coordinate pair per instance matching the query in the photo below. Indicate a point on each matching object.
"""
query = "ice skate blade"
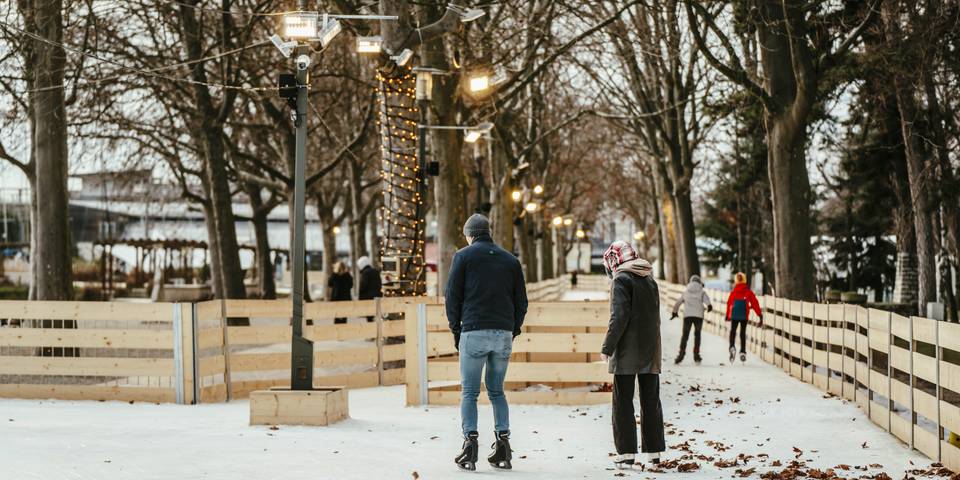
(503, 465)
(467, 466)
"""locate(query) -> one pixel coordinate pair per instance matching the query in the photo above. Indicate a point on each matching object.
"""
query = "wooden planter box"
(282, 406)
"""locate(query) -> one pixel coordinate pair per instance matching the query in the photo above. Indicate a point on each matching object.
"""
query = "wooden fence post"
(412, 354)
(178, 355)
(913, 412)
(225, 349)
(939, 394)
(379, 319)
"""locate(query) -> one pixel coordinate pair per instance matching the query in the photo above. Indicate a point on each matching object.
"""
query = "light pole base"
(282, 406)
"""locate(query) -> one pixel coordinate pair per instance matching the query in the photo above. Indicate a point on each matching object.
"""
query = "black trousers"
(651, 414)
(697, 324)
(742, 324)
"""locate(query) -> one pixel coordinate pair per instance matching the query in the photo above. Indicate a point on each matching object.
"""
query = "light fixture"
(369, 44)
(474, 133)
(581, 233)
(336, 230)
(286, 48)
(515, 195)
(331, 28)
(467, 14)
(538, 189)
(567, 222)
(557, 221)
(479, 82)
(531, 207)
(638, 236)
(403, 57)
(300, 25)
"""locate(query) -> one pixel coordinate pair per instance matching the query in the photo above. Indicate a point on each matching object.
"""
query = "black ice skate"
(501, 455)
(679, 358)
(697, 358)
(743, 356)
(624, 461)
(733, 354)
(467, 460)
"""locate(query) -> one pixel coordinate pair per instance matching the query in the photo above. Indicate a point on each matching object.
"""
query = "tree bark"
(213, 246)
(52, 244)
(265, 277)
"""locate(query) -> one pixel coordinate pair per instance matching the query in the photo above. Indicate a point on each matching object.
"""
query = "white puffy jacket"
(694, 301)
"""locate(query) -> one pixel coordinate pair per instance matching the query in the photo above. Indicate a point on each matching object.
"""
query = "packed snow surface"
(715, 413)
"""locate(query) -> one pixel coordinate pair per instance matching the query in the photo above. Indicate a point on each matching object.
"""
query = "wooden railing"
(904, 372)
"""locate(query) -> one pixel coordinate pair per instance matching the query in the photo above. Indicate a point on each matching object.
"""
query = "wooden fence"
(554, 361)
(904, 372)
(187, 353)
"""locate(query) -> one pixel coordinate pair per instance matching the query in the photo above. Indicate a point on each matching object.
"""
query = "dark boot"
(501, 455)
(696, 356)
(467, 460)
(680, 357)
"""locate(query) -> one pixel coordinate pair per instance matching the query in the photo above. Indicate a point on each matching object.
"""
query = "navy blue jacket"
(485, 289)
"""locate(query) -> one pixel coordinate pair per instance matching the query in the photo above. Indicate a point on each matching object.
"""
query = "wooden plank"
(452, 397)
(900, 358)
(900, 427)
(531, 372)
(878, 383)
(213, 365)
(880, 415)
(326, 310)
(213, 394)
(209, 338)
(901, 393)
(900, 326)
(820, 381)
(86, 338)
(950, 454)
(209, 310)
(925, 404)
(393, 328)
(258, 308)
(88, 392)
(925, 442)
(412, 358)
(58, 310)
(925, 330)
(268, 335)
(560, 314)
(255, 362)
(395, 352)
(950, 377)
(87, 366)
(186, 341)
(440, 344)
(950, 335)
(242, 389)
(395, 376)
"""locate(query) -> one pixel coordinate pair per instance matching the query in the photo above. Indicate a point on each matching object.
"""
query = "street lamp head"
(403, 57)
(581, 233)
(467, 14)
(331, 28)
(286, 48)
(300, 25)
(532, 207)
(515, 195)
(638, 236)
(557, 221)
(567, 222)
(472, 136)
(479, 82)
(538, 190)
(369, 44)
(474, 133)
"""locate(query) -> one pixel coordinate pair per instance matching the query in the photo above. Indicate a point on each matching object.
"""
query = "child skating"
(695, 301)
(739, 304)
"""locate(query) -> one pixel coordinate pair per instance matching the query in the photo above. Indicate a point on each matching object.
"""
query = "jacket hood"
(694, 287)
(740, 287)
(639, 267)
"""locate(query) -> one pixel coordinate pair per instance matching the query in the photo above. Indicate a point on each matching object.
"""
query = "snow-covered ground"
(716, 413)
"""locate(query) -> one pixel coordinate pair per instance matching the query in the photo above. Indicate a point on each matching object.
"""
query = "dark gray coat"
(633, 337)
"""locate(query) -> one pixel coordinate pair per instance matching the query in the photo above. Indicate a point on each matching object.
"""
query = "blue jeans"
(478, 348)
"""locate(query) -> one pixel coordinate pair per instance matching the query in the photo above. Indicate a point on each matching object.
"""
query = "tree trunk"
(920, 168)
(265, 277)
(52, 245)
(546, 255)
(667, 232)
(213, 247)
(374, 237)
(791, 196)
(686, 233)
(502, 217)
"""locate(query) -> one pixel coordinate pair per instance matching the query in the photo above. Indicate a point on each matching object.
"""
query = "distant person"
(370, 286)
(340, 286)
(486, 304)
(739, 304)
(693, 299)
(573, 280)
(632, 350)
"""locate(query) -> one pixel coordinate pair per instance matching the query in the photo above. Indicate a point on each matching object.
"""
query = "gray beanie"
(476, 225)
(696, 278)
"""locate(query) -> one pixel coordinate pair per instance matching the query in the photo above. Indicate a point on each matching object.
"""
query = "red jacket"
(740, 302)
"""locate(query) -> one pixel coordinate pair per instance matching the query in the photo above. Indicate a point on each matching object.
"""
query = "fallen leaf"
(415, 475)
(274, 427)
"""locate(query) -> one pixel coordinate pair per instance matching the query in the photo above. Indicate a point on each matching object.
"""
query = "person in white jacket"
(695, 301)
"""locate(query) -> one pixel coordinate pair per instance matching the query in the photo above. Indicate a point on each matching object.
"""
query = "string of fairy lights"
(401, 217)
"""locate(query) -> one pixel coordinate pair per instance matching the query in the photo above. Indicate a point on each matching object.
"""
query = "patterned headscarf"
(617, 254)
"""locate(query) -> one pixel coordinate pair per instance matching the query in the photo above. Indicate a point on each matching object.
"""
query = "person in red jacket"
(739, 304)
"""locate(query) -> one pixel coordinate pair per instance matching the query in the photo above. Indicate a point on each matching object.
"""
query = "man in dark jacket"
(370, 286)
(632, 350)
(486, 303)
